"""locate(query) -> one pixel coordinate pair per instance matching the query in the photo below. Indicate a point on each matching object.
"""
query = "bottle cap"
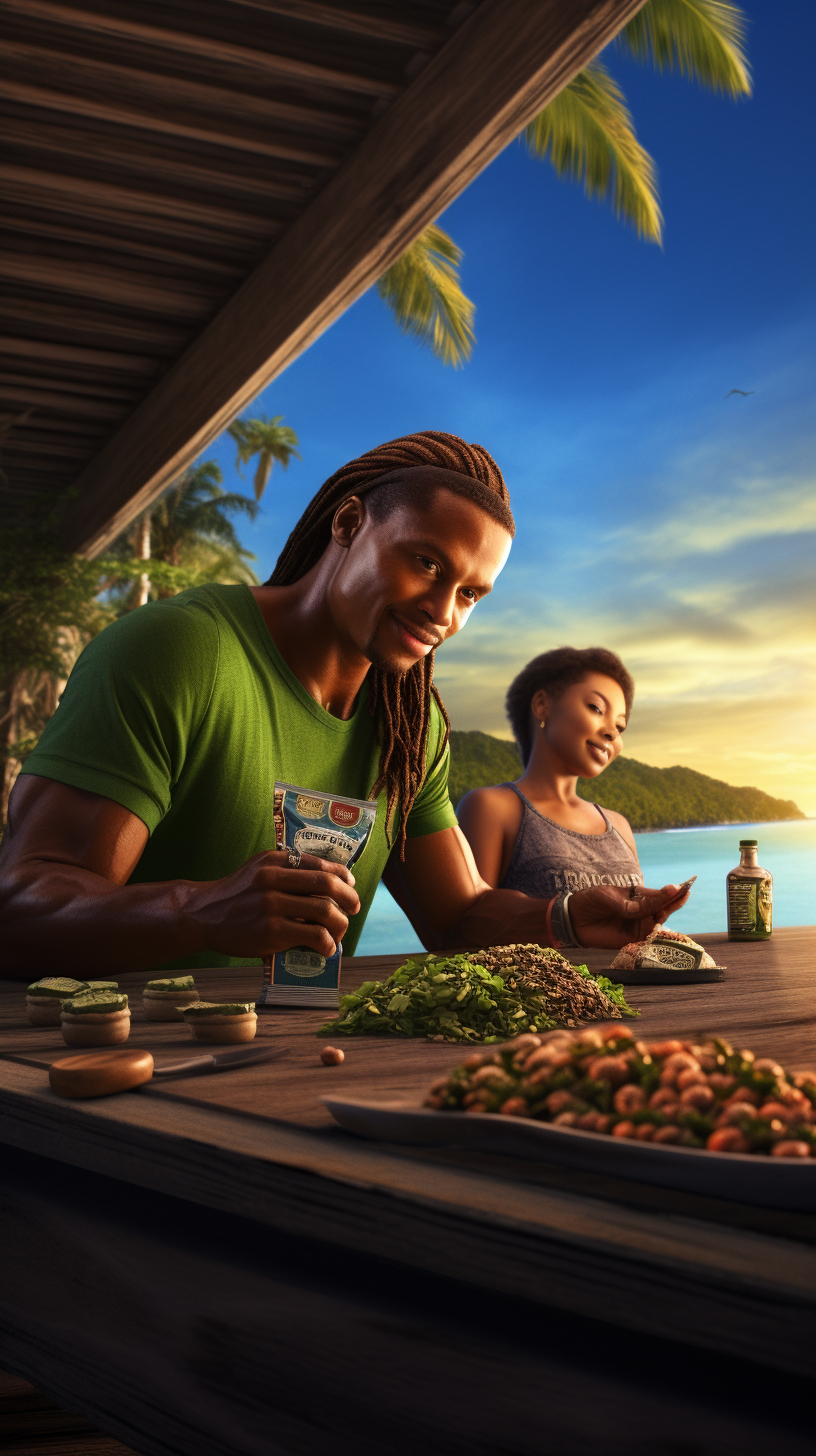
(748, 843)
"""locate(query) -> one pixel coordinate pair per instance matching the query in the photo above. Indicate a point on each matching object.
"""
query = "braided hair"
(399, 703)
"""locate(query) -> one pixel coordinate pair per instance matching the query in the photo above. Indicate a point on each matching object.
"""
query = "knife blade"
(221, 1061)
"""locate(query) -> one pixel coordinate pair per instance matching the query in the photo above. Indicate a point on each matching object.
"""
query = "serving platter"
(662, 975)
(742, 1178)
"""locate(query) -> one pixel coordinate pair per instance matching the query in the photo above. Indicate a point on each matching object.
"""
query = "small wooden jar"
(211, 1021)
(166, 999)
(95, 1018)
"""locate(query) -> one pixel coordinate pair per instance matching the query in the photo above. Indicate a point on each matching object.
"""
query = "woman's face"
(583, 727)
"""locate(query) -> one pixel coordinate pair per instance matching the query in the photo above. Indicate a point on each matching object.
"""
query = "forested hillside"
(651, 798)
(478, 759)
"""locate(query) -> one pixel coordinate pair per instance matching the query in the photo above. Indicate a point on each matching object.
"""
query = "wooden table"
(211, 1266)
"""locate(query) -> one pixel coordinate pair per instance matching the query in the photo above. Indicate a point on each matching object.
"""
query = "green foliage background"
(651, 798)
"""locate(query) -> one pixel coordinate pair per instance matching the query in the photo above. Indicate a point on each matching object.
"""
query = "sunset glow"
(659, 514)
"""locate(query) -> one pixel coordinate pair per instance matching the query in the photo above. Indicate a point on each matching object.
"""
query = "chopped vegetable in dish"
(604, 1081)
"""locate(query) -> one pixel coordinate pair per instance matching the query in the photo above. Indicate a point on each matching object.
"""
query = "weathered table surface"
(203, 1209)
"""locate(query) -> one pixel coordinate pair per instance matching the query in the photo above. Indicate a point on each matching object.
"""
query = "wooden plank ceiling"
(192, 191)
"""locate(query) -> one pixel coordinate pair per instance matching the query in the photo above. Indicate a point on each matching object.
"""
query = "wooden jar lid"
(96, 1074)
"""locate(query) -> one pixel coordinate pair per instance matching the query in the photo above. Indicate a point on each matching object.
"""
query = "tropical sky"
(655, 516)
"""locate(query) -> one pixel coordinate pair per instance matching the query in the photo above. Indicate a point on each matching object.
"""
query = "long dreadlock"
(400, 704)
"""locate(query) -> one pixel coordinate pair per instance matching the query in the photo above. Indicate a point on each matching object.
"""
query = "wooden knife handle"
(97, 1074)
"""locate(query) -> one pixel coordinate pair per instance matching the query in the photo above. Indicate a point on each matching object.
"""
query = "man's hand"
(611, 917)
(266, 906)
(65, 900)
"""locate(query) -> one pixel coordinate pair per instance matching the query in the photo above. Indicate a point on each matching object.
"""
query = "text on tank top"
(548, 859)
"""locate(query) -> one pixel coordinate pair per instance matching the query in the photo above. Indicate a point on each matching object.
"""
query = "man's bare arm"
(65, 904)
(448, 903)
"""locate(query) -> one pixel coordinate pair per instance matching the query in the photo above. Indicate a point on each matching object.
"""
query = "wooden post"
(144, 554)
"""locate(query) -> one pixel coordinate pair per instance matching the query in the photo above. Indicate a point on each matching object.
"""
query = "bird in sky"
(744, 392)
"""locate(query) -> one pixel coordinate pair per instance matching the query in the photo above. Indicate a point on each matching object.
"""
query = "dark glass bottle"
(749, 892)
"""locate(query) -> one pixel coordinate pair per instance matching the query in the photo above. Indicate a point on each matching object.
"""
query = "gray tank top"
(548, 859)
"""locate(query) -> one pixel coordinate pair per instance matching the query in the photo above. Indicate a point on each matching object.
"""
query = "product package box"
(333, 828)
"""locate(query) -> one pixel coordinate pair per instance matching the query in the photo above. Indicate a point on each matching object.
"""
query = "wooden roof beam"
(164, 123)
(141, 88)
(129, 290)
(73, 355)
(353, 22)
(84, 396)
(94, 328)
(187, 46)
(65, 414)
(491, 78)
(55, 237)
(65, 192)
(153, 163)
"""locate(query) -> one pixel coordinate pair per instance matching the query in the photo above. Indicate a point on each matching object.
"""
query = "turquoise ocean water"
(787, 850)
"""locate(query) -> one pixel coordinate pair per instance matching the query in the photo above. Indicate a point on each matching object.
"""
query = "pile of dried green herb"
(462, 998)
(573, 994)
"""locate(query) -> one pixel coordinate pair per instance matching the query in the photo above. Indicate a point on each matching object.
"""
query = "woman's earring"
(542, 722)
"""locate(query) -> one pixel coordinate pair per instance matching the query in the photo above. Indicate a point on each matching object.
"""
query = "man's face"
(411, 580)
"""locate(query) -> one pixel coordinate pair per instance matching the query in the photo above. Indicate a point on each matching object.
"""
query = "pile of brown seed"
(571, 997)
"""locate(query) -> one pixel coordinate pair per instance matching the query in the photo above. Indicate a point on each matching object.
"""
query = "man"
(140, 828)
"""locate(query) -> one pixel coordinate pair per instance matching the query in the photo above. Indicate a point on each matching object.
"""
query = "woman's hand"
(611, 917)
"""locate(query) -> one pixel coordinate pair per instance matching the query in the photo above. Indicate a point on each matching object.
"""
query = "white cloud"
(749, 510)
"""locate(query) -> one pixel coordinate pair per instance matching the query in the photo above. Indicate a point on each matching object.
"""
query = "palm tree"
(187, 538)
(588, 134)
(269, 440)
(195, 511)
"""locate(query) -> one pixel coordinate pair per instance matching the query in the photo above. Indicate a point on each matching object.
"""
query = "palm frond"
(213, 562)
(239, 432)
(206, 519)
(424, 293)
(208, 472)
(193, 511)
(702, 39)
(232, 500)
(588, 134)
(209, 527)
(220, 501)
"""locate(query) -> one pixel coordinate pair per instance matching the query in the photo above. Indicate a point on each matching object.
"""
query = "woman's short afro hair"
(554, 672)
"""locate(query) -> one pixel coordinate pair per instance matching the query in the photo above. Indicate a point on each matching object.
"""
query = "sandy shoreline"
(726, 824)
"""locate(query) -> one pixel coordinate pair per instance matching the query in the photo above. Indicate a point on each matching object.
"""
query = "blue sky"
(655, 516)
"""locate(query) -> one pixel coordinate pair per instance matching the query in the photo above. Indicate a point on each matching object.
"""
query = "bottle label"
(765, 905)
(750, 906)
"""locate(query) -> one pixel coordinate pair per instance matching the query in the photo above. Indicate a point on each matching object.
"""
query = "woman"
(568, 710)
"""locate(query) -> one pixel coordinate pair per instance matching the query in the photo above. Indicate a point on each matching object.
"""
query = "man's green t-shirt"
(185, 713)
